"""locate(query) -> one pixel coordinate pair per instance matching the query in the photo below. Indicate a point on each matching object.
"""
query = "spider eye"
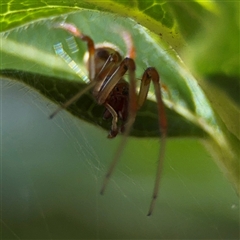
(103, 54)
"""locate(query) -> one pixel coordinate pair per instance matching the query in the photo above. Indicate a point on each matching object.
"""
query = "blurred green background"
(52, 171)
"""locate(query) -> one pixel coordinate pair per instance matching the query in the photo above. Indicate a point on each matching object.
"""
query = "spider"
(106, 71)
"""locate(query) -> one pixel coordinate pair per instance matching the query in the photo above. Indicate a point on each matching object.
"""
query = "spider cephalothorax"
(107, 60)
(107, 68)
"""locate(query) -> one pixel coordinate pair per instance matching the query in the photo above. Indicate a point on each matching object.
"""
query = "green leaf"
(183, 95)
(59, 90)
(216, 63)
(153, 15)
(185, 114)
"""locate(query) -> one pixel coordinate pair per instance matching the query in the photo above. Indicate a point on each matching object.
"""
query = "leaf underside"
(146, 125)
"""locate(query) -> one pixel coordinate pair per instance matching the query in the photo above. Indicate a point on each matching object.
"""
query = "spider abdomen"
(118, 100)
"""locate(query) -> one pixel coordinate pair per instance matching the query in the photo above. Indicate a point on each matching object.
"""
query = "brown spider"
(106, 70)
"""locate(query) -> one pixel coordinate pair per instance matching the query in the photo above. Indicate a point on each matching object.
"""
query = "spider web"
(47, 178)
(81, 150)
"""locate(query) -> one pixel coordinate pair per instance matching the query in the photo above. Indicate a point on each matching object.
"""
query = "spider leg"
(104, 73)
(114, 127)
(96, 81)
(77, 33)
(90, 44)
(126, 64)
(73, 99)
(148, 75)
(129, 43)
